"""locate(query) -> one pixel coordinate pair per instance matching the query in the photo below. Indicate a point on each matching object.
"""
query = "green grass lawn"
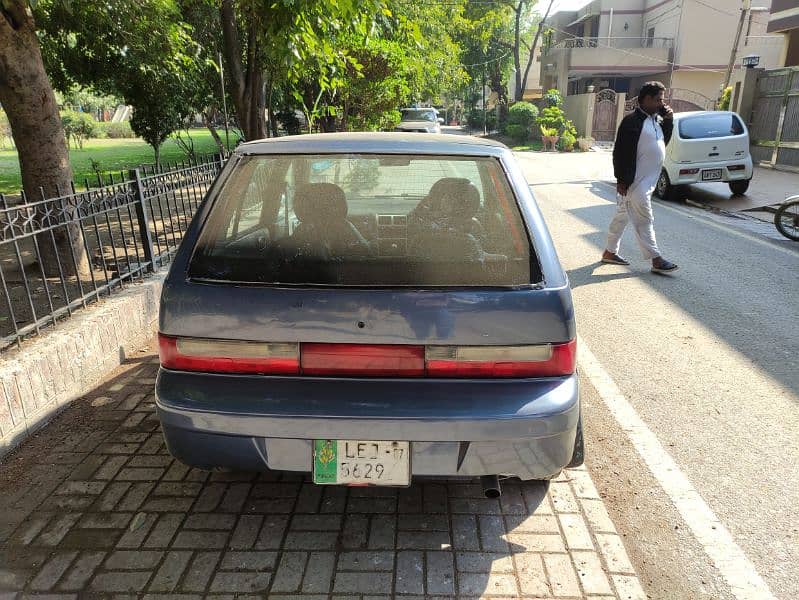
(534, 146)
(113, 156)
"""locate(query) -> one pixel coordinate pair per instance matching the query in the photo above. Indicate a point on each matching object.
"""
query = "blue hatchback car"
(367, 308)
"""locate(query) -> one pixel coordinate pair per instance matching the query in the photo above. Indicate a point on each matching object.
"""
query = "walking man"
(637, 161)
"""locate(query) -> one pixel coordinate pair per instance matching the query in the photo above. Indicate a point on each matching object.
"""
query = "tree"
(282, 41)
(519, 10)
(30, 104)
(141, 51)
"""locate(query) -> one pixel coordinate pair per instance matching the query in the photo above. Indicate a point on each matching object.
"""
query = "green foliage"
(726, 97)
(475, 119)
(519, 133)
(140, 51)
(548, 131)
(289, 121)
(553, 98)
(523, 113)
(567, 141)
(86, 100)
(553, 117)
(117, 131)
(78, 127)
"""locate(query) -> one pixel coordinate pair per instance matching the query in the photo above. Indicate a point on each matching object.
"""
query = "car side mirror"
(440, 121)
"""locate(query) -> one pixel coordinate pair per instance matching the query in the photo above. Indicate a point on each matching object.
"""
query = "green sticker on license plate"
(325, 461)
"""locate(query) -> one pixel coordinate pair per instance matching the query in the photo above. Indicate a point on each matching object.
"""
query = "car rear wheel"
(578, 456)
(738, 188)
(664, 189)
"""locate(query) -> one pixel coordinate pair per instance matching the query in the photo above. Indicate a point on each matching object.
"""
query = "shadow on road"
(741, 292)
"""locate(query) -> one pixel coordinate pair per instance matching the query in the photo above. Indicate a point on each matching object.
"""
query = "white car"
(422, 120)
(706, 146)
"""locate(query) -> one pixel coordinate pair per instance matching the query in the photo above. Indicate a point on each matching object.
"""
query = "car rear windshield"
(366, 220)
(418, 115)
(710, 126)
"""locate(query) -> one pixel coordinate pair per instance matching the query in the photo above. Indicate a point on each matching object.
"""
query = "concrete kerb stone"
(69, 360)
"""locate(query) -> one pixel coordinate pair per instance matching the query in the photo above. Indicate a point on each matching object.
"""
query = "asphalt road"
(707, 358)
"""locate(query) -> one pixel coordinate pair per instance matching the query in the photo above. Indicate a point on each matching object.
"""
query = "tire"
(578, 455)
(738, 188)
(664, 189)
(787, 219)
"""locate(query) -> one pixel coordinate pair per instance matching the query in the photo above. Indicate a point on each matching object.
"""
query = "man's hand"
(621, 189)
(667, 112)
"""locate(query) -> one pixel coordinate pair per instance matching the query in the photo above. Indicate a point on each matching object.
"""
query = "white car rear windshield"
(418, 115)
(366, 220)
(703, 127)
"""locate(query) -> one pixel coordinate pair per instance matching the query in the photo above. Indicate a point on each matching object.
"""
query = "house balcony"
(626, 56)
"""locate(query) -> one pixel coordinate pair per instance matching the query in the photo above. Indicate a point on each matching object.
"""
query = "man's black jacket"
(625, 152)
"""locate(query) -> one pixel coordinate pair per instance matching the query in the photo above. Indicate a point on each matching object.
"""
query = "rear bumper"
(524, 428)
(726, 175)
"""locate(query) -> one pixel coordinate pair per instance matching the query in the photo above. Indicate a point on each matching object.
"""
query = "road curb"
(50, 371)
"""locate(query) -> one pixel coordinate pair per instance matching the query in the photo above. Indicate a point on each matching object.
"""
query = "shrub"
(726, 97)
(118, 131)
(519, 133)
(553, 117)
(567, 141)
(475, 119)
(548, 131)
(524, 115)
(553, 98)
(78, 127)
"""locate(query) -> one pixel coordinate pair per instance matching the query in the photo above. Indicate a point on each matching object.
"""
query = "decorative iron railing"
(60, 254)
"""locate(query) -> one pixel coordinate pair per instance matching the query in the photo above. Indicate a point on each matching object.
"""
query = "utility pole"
(747, 4)
(674, 49)
(224, 102)
(485, 124)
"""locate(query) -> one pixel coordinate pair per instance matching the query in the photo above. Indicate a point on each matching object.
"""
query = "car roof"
(375, 143)
(697, 113)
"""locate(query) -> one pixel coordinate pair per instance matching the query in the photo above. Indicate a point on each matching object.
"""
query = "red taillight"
(222, 356)
(545, 360)
(736, 167)
(367, 360)
(362, 360)
(689, 171)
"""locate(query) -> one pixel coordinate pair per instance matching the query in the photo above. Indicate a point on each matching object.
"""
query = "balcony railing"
(616, 42)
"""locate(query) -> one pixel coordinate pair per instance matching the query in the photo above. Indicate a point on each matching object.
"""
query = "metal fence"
(57, 255)
(774, 126)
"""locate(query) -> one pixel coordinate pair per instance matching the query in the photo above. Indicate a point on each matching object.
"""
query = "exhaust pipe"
(490, 485)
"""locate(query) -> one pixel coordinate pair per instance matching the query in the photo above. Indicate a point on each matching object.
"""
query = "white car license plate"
(360, 462)
(711, 175)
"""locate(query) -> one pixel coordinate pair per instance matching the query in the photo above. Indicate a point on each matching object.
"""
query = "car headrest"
(319, 202)
(455, 197)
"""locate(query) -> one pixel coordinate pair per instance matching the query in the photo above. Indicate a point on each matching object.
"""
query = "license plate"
(711, 175)
(360, 462)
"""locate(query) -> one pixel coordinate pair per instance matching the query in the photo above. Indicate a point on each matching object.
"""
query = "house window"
(650, 37)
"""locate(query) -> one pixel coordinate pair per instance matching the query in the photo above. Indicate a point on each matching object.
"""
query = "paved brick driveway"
(94, 507)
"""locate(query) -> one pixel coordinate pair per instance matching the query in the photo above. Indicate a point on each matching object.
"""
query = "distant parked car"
(705, 147)
(420, 120)
(368, 308)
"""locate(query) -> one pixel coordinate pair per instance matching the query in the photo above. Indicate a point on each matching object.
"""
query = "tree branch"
(531, 56)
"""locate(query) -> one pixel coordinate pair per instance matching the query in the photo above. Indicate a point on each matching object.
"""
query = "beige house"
(785, 20)
(686, 44)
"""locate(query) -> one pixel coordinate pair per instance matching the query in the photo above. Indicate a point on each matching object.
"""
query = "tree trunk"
(207, 120)
(29, 102)
(517, 63)
(531, 57)
(246, 79)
